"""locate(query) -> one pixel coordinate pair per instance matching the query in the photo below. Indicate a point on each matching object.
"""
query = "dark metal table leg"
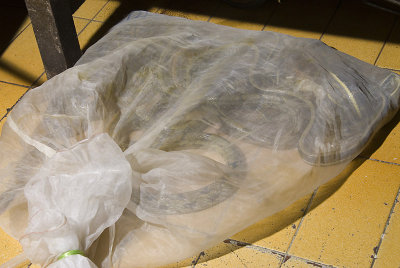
(55, 34)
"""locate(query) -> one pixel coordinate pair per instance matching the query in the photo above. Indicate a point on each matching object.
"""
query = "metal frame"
(55, 33)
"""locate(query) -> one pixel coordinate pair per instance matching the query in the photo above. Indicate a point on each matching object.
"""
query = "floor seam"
(277, 252)
(194, 262)
(386, 39)
(10, 83)
(77, 17)
(376, 249)
(217, 6)
(29, 88)
(381, 161)
(15, 37)
(331, 19)
(270, 17)
(298, 227)
(390, 69)
(94, 16)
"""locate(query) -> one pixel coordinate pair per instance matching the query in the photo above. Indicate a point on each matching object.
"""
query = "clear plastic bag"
(148, 150)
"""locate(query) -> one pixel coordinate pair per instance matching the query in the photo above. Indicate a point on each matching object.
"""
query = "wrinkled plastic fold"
(170, 135)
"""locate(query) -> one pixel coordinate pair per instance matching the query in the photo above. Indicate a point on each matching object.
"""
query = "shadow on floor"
(294, 212)
(355, 18)
(12, 17)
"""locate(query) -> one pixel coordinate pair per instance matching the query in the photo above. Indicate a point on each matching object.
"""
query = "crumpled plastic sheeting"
(170, 135)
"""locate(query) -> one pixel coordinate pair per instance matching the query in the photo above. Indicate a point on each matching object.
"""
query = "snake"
(209, 195)
(238, 114)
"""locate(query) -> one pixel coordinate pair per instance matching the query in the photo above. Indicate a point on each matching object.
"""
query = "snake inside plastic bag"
(170, 135)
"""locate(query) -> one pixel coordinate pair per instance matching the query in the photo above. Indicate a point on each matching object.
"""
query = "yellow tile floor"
(353, 220)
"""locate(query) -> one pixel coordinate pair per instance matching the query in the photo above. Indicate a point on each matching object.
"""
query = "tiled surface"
(17, 20)
(390, 56)
(352, 221)
(90, 8)
(308, 18)
(227, 255)
(9, 96)
(116, 10)
(21, 63)
(387, 256)
(9, 247)
(275, 232)
(386, 147)
(343, 228)
(85, 38)
(359, 30)
(248, 19)
(198, 10)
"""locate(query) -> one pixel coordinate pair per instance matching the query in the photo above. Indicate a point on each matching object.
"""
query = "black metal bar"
(55, 34)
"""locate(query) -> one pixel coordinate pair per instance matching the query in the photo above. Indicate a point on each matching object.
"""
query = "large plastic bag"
(171, 135)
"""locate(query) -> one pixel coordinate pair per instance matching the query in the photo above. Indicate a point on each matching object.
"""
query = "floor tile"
(89, 8)
(275, 232)
(115, 11)
(10, 94)
(390, 56)
(296, 263)
(293, 262)
(187, 263)
(26, 265)
(16, 19)
(302, 18)
(345, 226)
(9, 247)
(90, 34)
(388, 254)
(385, 146)
(227, 255)
(21, 62)
(359, 30)
(249, 19)
(194, 10)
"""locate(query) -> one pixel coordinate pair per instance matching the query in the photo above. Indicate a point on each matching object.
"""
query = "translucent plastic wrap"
(170, 135)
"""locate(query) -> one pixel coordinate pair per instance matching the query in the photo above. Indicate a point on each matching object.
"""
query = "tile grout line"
(330, 19)
(298, 227)
(217, 6)
(381, 161)
(40, 76)
(195, 261)
(244, 265)
(390, 69)
(76, 17)
(276, 252)
(92, 19)
(37, 79)
(386, 39)
(10, 83)
(270, 17)
(29, 88)
(15, 37)
(376, 250)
